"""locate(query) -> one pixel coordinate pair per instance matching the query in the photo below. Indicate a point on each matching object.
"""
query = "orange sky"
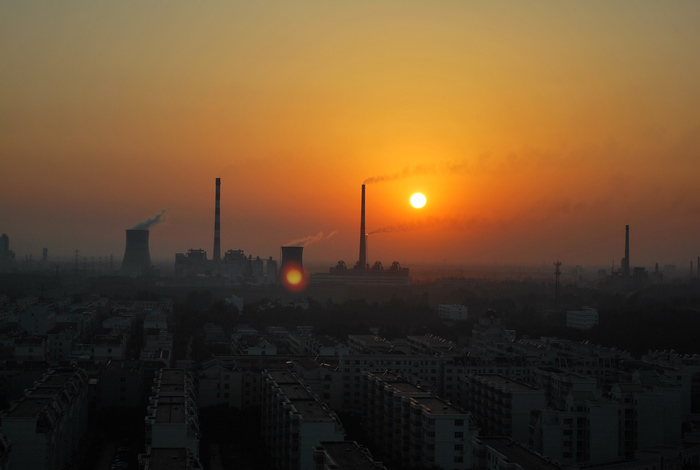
(537, 129)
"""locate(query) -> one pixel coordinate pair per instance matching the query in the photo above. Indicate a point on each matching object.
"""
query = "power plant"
(137, 258)
(362, 274)
(233, 268)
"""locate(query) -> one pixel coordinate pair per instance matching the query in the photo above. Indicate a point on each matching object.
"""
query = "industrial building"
(362, 274)
(233, 268)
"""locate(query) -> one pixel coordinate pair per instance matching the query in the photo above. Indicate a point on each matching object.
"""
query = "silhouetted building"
(7, 256)
(217, 222)
(137, 258)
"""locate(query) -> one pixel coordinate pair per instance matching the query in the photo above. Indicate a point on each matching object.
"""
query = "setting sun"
(418, 200)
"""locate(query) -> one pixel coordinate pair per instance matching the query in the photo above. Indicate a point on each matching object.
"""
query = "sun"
(418, 200)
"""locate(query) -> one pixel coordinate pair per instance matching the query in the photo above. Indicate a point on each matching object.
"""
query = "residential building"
(294, 420)
(453, 312)
(46, 425)
(583, 319)
(344, 455)
(171, 419)
(502, 406)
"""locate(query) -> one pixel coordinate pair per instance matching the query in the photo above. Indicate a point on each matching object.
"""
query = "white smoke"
(146, 224)
(306, 241)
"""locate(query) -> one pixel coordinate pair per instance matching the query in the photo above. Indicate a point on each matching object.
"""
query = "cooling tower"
(217, 222)
(291, 255)
(362, 263)
(137, 259)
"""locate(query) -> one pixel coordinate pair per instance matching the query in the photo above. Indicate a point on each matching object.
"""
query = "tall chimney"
(362, 263)
(137, 258)
(626, 267)
(217, 222)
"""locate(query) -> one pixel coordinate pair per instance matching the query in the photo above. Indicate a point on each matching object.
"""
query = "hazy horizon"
(536, 130)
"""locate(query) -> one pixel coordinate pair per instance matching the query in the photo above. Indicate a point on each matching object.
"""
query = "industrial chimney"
(362, 263)
(626, 259)
(217, 222)
(137, 258)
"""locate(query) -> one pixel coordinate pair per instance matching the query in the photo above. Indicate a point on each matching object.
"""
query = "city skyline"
(537, 131)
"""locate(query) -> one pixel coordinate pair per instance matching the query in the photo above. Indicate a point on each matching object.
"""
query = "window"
(459, 459)
(459, 422)
(459, 435)
(459, 446)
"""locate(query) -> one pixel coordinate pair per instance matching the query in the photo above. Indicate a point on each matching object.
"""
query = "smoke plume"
(428, 222)
(306, 241)
(146, 224)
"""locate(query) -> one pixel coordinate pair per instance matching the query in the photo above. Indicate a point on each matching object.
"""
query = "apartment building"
(558, 383)
(171, 415)
(583, 319)
(169, 459)
(294, 420)
(502, 406)
(45, 427)
(413, 428)
(345, 455)
(423, 370)
(234, 381)
(585, 433)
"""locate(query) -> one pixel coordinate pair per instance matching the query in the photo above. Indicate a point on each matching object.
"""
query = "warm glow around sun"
(418, 200)
(294, 276)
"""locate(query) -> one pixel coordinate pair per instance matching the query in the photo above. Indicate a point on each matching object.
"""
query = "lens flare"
(418, 200)
(294, 278)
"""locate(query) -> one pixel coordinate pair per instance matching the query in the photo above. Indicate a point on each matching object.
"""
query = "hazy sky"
(536, 129)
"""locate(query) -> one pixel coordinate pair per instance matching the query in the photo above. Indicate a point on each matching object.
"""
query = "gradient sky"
(536, 129)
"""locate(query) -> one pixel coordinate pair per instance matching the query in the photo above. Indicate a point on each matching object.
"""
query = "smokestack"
(137, 258)
(626, 267)
(362, 263)
(217, 222)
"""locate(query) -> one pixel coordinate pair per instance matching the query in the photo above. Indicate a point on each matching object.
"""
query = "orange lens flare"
(294, 278)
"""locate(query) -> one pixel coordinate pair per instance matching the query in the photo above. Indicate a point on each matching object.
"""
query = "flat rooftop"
(406, 388)
(436, 406)
(505, 382)
(313, 410)
(170, 410)
(295, 391)
(28, 407)
(517, 453)
(349, 454)
(168, 459)
(281, 376)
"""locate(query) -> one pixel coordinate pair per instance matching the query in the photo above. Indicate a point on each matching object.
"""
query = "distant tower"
(271, 271)
(557, 274)
(626, 259)
(4, 245)
(44, 255)
(217, 222)
(362, 263)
